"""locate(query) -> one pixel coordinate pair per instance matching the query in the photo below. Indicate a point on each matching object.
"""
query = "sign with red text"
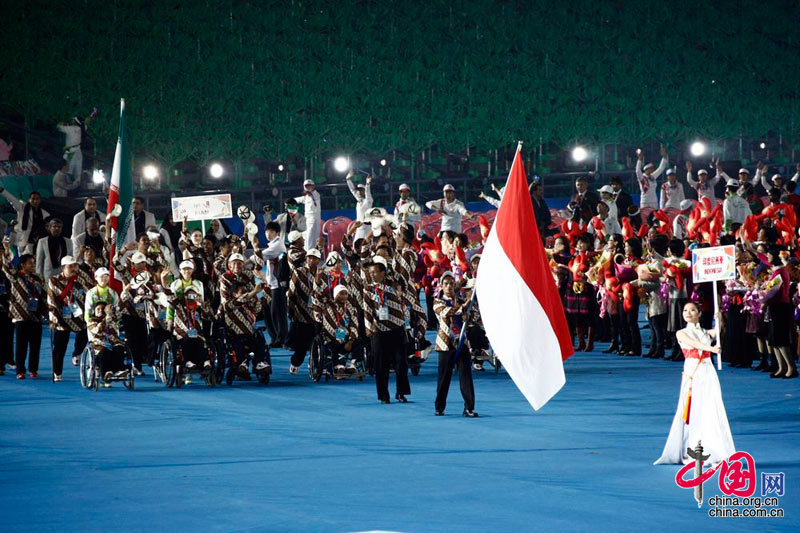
(202, 207)
(713, 264)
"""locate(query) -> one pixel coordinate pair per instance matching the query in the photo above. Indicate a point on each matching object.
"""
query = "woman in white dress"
(701, 414)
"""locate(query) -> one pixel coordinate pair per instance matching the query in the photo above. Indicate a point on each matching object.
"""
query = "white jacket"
(648, 184)
(671, 196)
(312, 208)
(44, 266)
(22, 235)
(79, 221)
(451, 218)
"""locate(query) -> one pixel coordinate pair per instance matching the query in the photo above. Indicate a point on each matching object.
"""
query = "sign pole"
(203, 225)
(716, 326)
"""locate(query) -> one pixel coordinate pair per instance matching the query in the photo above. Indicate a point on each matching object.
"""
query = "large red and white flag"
(120, 194)
(519, 301)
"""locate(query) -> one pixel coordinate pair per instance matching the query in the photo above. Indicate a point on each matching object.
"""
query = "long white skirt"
(708, 421)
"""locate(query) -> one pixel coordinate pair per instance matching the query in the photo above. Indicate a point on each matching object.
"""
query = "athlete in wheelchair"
(106, 358)
(187, 316)
(243, 343)
(337, 339)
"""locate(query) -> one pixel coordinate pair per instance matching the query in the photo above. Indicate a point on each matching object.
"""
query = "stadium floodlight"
(579, 154)
(98, 177)
(762, 145)
(383, 162)
(150, 172)
(341, 164)
(216, 170)
(697, 148)
(280, 168)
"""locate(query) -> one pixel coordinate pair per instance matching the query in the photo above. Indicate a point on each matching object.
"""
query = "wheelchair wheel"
(86, 368)
(315, 361)
(495, 362)
(168, 365)
(129, 383)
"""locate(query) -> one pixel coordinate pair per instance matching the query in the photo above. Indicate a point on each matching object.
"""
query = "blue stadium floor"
(296, 455)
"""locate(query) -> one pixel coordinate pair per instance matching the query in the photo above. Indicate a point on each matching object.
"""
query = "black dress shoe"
(400, 398)
(775, 375)
(611, 349)
(469, 414)
(439, 413)
(386, 401)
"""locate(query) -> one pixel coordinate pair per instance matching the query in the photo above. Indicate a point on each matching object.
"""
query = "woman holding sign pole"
(701, 415)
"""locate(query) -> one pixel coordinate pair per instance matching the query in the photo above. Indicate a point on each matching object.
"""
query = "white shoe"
(207, 365)
(108, 375)
(190, 365)
(56, 377)
(106, 384)
(338, 369)
(187, 380)
(293, 369)
(76, 361)
(263, 365)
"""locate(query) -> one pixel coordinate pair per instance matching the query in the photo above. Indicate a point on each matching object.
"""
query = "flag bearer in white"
(313, 213)
(363, 196)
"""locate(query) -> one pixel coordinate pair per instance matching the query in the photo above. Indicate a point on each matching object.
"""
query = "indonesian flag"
(120, 194)
(519, 301)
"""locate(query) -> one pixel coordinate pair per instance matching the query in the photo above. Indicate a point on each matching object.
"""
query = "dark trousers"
(60, 340)
(155, 339)
(193, 350)
(388, 347)
(244, 345)
(136, 337)
(6, 340)
(29, 341)
(277, 316)
(658, 334)
(446, 363)
(301, 336)
(339, 354)
(111, 359)
(630, 323)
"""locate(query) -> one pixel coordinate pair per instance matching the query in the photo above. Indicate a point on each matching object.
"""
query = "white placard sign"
(202, 207)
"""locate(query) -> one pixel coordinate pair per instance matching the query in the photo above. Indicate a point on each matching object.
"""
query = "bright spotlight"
(280, 168)
(216, 170)
(98, 177)
(762, 145)
(383, 162)
(579, 154)
(150, 172)
(697, 148)
(341, 164)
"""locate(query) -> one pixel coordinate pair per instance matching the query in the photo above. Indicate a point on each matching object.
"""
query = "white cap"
(380, 260)
(448, 187)
(236, 257)
(314, 253)
(340, 289)
(153, 235)
(732, 183)
(608, 189)
(772, 179)
(308, 182)
(294, 235)
(702, 171)
(138, 257)
(333, 258)
(648, 165)
(744, 171)
(102, 271)
(686, 204)
(404, 187)
(670, 171)
(186, 264)
(446, 274)
(360, 186)
(67, 260)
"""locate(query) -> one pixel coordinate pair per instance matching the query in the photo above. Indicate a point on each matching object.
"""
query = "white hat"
(732, 183)
(702, 171)
(772, 179)
(339, 289)
(236, 257)
(377, 259)
(608, 189)
(404, 187)
(187, 264)
(138, 257)
(102, 271)
(294, 235)
(153, 235)
(744, 171)
(333, 258)
(686, 204)
(314, 253)
(670, 171)
(448, 187)
(360, 186)
(648, 165)
(67, 260)
(308, 182)
(446, 274)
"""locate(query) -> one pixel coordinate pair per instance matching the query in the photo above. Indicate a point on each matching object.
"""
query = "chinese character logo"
(737, 475)
(772, 483)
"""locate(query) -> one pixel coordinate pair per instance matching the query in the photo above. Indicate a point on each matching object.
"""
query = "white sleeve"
(433, 205)
(460, 208)
(40, 258)
(15, 202)
(764, 183)
(368, 192)
(493, 201)
(662, 201)
(352, 188)
(691, 180)
(638, 168)
(796, 177)
(272, 251)
(662, 166)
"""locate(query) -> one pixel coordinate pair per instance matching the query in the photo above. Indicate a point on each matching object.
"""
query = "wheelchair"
(419, 353)
(231, 366)
(89, 368)
(481, 356)
(480, 350)
(320, 362)
(174, 370)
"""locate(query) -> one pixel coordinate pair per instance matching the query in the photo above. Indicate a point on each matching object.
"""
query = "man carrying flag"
(520, 305)
(120, 196)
